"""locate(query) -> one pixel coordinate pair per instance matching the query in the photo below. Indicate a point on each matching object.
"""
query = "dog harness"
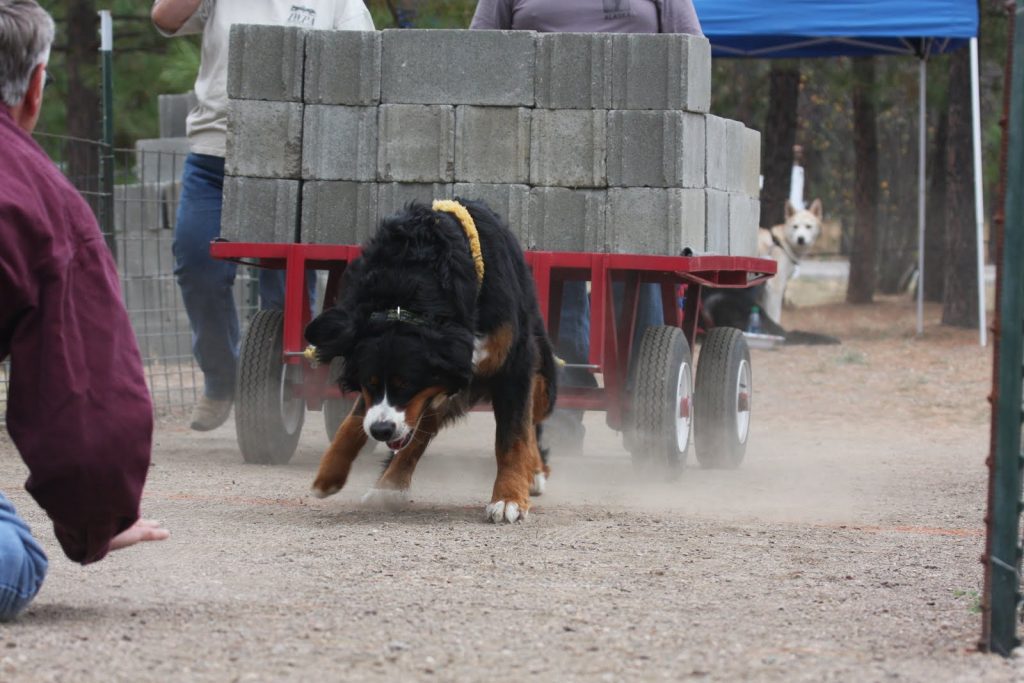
(469, 227)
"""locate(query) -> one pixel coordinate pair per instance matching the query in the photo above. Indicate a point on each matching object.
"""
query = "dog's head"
(802, 228)
(404, 323)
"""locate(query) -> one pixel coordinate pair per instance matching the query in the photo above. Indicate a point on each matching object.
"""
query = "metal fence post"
(106, 198)
(1001, 600)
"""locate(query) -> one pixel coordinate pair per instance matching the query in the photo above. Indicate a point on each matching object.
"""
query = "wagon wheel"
(723, 399)
(662, 401)
(268, 418)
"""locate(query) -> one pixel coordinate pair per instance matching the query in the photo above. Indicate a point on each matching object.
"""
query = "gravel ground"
(846, 548)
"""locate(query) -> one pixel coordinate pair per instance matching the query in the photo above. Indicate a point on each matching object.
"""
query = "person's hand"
(142, 530)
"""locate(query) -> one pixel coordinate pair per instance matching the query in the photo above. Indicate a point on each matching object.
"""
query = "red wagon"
(651, 396)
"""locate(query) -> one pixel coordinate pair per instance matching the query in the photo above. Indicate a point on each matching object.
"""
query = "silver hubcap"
(684, 406)
(743, 396)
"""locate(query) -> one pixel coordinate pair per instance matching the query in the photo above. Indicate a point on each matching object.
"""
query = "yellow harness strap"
(460, 212)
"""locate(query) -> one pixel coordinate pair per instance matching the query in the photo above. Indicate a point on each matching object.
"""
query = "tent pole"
(922, 140)
(979, 199)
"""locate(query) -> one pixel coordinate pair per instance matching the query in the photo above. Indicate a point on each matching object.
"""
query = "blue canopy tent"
(769, 29)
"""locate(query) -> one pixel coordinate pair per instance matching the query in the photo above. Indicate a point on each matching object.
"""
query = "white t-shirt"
(207, 123)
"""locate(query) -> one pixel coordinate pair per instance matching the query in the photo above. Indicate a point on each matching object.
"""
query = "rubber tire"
(653, 440)
(264, 437)
(716, 413)
(335, 412)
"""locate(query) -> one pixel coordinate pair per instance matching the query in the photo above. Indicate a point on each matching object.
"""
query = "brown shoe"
(210, 413)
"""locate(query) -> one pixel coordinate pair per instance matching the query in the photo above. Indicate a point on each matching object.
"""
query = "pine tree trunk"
(861, 287)
(960, 303)
(83, 101)
(779, 137)
(935, 219)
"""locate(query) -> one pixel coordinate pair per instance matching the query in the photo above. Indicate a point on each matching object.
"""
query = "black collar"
(404, 315)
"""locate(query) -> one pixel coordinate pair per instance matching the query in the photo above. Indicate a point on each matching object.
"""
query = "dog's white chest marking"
(480, 352)
(385, 412)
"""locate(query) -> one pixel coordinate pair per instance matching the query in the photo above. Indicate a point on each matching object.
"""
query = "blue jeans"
(22, 563)
(206, 283)
(574, 326)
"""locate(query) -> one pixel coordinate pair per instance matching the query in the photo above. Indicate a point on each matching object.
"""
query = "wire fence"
(143, 203)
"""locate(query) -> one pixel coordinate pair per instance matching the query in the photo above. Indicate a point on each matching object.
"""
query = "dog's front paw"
(538, 484)
(389, 499)
(505, 511)
(323, 487)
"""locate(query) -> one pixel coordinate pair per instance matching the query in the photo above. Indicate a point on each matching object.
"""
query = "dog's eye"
(398, 383)
(373, 381)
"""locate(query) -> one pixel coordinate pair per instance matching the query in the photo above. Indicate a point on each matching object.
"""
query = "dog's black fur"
(420, 260)
(731, 308)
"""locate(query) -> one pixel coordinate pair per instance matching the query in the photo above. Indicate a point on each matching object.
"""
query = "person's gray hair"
(26, 34)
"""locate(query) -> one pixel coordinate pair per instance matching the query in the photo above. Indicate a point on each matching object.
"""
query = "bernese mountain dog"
(438, 313)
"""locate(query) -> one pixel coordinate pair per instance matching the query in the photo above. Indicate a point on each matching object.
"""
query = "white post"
(922, 142)
(979, 200)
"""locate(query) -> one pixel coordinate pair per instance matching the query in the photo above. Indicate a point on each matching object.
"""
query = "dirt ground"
(846, 548)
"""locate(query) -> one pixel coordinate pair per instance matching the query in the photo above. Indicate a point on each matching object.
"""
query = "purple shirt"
(77, 409)
(587, 16)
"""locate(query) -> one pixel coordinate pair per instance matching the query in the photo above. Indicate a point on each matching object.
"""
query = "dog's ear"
(333, 334)
(816, 208)
(790, 210)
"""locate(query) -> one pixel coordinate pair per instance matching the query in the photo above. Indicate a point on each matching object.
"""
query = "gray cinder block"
(574, 71)
(174, 111)
(510, 201)
(343, 67)
(661, 71)
(391, 197)
(260, 210)
(568, 148)
(644, 220)
(160, 159)
(562, 219)
(339, 143)
(724, 153)
(454, 66)
(416, 144)
(265, 62)
(492, 144)
(338, 212)
(744, 217)
(751, 172)
(264, 139)
(717, 218)
(655, 149)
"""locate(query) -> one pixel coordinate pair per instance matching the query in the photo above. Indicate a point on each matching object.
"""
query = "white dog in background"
(787, 244)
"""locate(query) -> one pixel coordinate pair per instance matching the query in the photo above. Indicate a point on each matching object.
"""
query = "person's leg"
(272, 289)
(206, 283)
(563, 430)
(22, 563)
(649, 311)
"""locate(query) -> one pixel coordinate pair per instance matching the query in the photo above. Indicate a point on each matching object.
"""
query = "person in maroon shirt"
(78, 409)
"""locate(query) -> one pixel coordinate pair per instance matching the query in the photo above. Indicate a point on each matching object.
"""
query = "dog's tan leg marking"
(495, 351)
(510, 499)
(398, 475)
(337, 461)
(541, 409)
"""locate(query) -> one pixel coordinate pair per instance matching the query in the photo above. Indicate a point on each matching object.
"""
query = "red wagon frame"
(682, 280)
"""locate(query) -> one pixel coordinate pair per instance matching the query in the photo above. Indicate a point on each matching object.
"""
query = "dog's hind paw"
(537, 486)
(500, 511)
(391, 499)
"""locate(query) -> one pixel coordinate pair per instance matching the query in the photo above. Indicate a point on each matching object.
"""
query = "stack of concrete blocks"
(583, 142)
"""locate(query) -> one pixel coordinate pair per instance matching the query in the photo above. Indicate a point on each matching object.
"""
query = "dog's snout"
(801, 240)
(383, 430)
